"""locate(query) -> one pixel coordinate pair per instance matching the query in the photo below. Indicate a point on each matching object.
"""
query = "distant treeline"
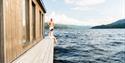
(62, 26)
(109, 26)
(57, 26)
(117, 24)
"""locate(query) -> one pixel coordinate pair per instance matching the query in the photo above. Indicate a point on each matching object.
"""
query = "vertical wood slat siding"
(37, 22)
(27, 20)
(7, 37)
(14, 28)
(33, 21)
(1, 33)
(42, 26)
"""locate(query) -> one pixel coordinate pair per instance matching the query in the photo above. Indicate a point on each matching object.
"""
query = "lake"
(90, 46)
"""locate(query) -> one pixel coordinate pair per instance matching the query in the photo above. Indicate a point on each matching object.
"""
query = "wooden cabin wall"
(14, 29)
(42, 25)
(39, 22)
(1, 33)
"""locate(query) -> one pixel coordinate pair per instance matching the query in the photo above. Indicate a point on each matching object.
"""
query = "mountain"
(117, 24)
(63, 26)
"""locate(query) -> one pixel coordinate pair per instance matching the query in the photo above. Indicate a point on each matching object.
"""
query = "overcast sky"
(84, 12)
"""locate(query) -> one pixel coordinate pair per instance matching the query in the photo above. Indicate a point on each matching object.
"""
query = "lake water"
(90, 46)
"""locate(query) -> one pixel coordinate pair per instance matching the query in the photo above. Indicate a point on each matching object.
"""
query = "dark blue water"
(90, 46)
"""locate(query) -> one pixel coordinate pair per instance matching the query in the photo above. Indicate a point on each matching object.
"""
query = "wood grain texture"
(1, 33)
(12, 33)
(40, 53)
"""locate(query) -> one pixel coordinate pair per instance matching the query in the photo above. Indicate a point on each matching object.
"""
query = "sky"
(84, 12)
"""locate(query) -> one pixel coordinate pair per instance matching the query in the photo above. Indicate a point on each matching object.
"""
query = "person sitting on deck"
(51, 29)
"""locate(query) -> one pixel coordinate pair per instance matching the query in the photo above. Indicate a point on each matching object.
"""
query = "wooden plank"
(13, 29)
(1, 33)
(40, 53)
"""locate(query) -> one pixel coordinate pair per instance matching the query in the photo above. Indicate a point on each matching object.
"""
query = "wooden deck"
(40, 53)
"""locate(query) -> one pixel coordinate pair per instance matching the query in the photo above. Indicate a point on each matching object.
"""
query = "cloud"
(84, 2)
(53, 0)
(64, 19)
(99, 21)
(82, 9)
(80, 4)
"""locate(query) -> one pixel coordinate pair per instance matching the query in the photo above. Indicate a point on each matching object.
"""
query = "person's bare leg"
(52, 33)
(49, 34)
(55, 40)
